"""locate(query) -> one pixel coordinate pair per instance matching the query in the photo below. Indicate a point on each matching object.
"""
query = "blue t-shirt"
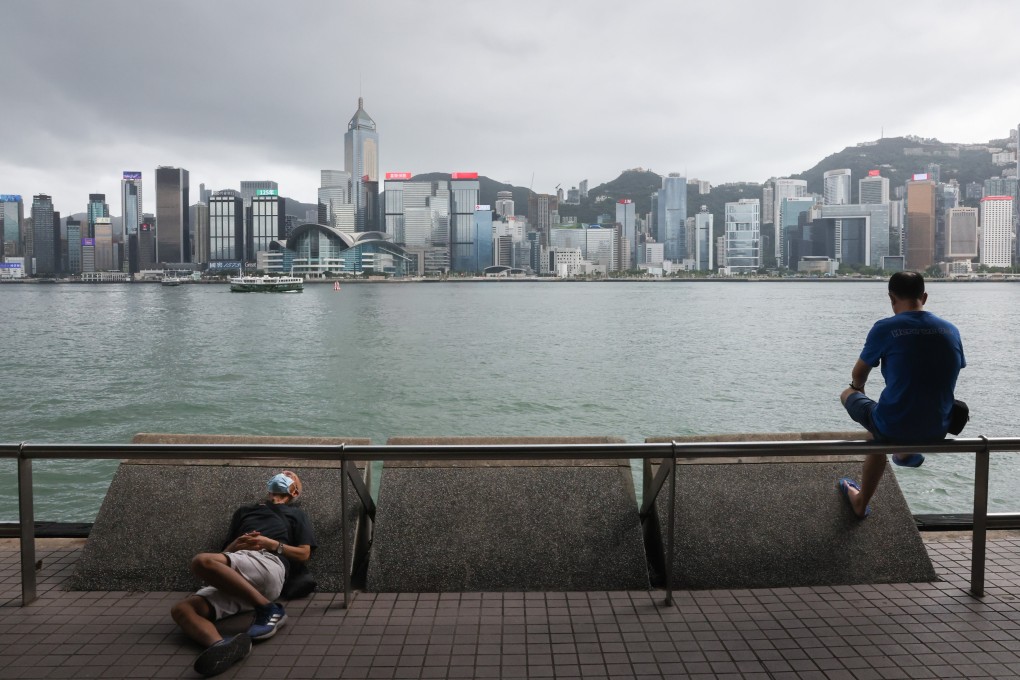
(921, 357)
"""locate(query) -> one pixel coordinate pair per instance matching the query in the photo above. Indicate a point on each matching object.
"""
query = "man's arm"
(859, 375)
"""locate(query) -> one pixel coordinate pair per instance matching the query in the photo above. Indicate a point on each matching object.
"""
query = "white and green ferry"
(266, 284)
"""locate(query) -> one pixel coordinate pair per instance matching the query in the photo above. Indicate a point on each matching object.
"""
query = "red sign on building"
(464, 175)
(873, 173)
(398, 175)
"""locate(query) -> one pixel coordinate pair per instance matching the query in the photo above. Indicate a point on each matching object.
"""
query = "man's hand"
(252, 540)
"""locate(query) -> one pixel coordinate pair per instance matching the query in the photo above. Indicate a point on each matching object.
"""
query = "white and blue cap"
(280, 483)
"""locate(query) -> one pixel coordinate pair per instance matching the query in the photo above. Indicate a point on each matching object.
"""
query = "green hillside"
(898, 158)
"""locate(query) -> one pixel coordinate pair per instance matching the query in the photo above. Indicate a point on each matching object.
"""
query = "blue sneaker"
(913, 460)
(268, 619)
(221, 655)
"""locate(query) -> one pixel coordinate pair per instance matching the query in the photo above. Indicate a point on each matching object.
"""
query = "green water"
(99, 363)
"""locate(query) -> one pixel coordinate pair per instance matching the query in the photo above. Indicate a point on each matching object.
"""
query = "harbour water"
(99, 363)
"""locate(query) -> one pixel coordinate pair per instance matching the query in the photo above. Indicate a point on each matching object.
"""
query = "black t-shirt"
(279, 522)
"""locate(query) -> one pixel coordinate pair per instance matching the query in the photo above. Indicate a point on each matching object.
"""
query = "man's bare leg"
(874, 468)
(215, 570)
(194, 616)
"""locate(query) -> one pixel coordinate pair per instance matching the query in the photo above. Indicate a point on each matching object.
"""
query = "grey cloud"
(724, 91)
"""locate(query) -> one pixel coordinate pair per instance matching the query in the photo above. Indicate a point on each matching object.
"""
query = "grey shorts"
(262, 569)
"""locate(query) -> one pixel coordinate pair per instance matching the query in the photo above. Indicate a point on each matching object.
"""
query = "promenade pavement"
(921, 630)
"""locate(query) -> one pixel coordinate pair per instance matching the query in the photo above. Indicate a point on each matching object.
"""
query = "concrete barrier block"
(780, 522)
(506, 525)
(156, 516)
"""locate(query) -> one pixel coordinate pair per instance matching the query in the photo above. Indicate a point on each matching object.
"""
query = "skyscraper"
(703, 260)
(625, 218)
(962, 233)
(540, 210)
(103, 241)
(130, 203)
(873, 189)
(743, 236)
(97, 207)
(12, 215)
(784, 188)
(464, 188)
(267, 220)
(73, 246)
(996, 231)
(505, 203)
(200, 230)
(794, 214)
(226, 230)
(919, 229)
(672, 217)
(45, 239)
(334, 192)
(250, 188)
(131, 218)
(173, 228)
(361, 160)
(836, 187)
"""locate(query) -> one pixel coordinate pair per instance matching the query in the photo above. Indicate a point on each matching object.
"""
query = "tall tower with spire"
(361, 160)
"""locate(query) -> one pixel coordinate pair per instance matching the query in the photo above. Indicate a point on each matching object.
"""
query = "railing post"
(343, 526)
(672, 526)
(980, 535)
(26, 520)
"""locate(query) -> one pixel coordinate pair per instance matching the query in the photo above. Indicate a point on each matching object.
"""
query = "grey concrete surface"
(504, 525)
(155, 517)
(771, 525)
(779, 521)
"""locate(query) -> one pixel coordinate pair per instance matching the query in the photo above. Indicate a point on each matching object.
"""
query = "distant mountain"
(298, 209)
(898, 158)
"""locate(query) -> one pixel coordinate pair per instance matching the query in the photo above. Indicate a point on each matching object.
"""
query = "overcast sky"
(559, 91)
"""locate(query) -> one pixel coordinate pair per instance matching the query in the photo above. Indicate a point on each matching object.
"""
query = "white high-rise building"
(704, 249)
(784, 188)
(996, 231)
(873, 189)
(836, 187)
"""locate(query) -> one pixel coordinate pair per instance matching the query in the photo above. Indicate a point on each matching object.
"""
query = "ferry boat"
(171, 281)
(266, 284)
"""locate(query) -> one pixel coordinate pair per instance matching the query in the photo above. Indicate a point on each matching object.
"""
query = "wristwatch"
(279, 548)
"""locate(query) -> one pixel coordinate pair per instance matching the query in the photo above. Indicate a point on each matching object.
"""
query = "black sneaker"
(268, 619)
(223, 654)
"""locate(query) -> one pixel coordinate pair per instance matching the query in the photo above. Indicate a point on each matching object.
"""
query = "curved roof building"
(312, 250)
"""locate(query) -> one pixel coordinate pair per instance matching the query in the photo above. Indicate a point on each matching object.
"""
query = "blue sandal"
(844, 484)
(913, 460)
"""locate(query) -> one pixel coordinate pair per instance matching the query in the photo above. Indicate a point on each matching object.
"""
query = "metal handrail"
(669, 452)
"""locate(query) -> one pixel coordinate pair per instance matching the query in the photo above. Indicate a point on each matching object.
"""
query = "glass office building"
(173, 228)
(743, 236)
(672, 217)
(226, 230)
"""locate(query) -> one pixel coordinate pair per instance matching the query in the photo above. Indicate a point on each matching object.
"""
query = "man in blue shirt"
(921, 356)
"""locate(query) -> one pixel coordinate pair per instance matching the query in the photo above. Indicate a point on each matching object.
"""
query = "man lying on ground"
(265, 539)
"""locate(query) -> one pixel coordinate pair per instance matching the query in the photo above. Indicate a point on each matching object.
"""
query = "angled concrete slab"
(780, 522)
(156, 516)
(506, 525)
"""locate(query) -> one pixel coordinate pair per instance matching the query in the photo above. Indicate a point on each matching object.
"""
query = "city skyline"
(520, 97)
